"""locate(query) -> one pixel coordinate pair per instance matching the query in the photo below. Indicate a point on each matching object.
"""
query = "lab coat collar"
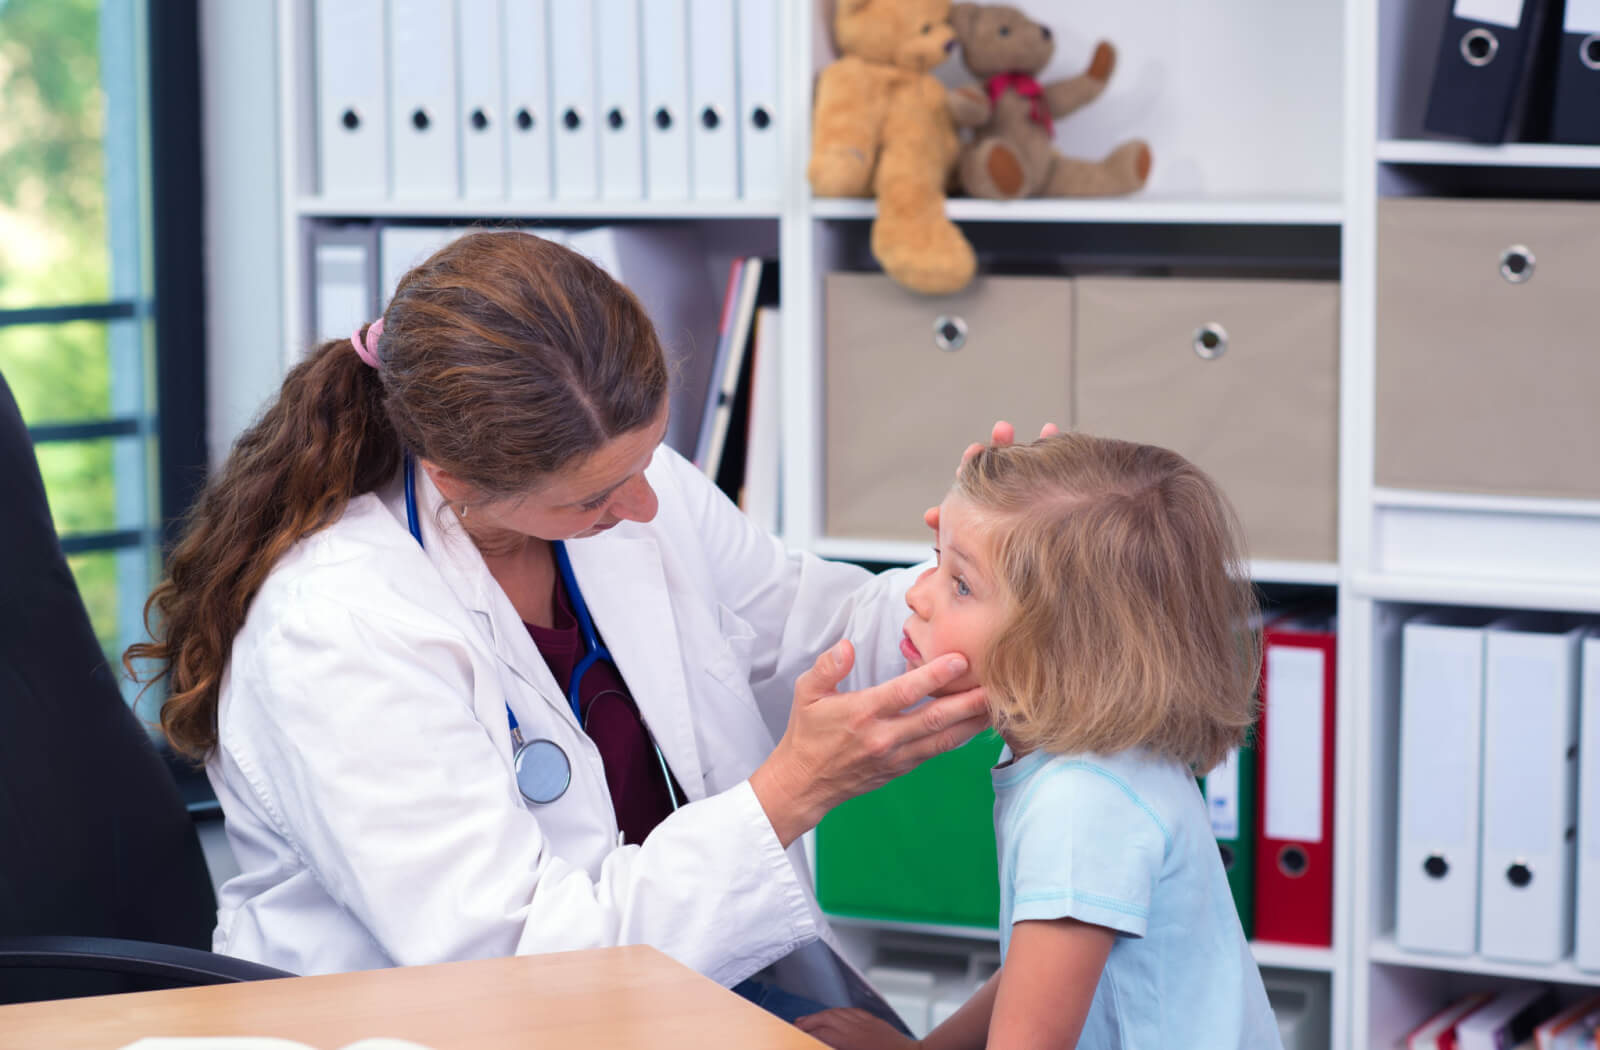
(464, 571)
(624, 583)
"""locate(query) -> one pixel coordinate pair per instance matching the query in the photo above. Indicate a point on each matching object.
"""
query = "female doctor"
(478, 667)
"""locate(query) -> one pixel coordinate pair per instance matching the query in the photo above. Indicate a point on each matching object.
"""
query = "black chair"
(103, 886)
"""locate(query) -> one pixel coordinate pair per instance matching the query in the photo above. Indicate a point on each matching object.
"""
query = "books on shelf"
(1518, 1017)
(722, 448)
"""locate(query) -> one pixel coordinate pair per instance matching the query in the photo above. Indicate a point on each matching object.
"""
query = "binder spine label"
(1506, 13)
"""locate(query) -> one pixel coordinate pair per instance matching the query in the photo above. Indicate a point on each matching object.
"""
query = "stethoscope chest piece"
(543, 771)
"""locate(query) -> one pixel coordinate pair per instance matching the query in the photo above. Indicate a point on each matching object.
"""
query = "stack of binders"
(486, 100)
(1491, 856)
(1518, 70)
(1271, 801)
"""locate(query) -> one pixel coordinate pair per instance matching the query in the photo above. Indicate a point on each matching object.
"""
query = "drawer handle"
(1210, 341)
(1516, 264)
(949, 333)
(1479, 47)
(1589, 52)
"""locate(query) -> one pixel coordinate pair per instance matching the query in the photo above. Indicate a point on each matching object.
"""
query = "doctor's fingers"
(822, 678)
(904, 690)
(940, 725)
(1002, 434)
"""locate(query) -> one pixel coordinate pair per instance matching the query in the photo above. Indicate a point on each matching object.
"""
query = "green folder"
(920, 848)
(1230, 794)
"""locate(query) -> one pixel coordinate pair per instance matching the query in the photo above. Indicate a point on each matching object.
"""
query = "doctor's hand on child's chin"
(1004, 434)
(840, 745)
(852, 1029)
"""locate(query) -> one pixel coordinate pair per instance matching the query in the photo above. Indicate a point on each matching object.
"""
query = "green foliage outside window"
(54, 251)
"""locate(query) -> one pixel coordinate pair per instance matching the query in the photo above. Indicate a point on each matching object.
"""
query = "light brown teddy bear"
(1012, 152)
(882, 125)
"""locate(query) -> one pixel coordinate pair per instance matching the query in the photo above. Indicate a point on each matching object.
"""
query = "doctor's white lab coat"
(364, 764)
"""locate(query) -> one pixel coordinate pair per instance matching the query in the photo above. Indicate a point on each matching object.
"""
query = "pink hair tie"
(368, 351)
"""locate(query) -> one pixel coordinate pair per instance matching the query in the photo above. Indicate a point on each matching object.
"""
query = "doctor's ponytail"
(502, 358)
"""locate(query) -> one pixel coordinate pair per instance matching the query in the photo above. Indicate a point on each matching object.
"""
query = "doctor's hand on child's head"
(1003, 434)
(853, 1029)
(840, 745)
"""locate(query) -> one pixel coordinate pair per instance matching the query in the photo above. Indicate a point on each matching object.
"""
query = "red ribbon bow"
(1028, 88)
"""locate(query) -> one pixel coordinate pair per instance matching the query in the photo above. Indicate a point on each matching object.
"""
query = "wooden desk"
(605, 998)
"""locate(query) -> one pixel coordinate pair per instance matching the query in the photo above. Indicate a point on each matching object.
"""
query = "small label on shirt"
(1222, 797)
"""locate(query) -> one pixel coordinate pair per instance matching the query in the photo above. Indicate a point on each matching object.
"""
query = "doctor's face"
(585, 498)
(958, 605)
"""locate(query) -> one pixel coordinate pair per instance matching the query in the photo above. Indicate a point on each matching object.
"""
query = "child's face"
(958, 605)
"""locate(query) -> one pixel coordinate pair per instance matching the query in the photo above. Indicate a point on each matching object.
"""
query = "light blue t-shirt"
(1123, 841)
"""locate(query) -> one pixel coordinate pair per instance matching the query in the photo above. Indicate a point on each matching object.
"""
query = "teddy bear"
(1012, 151)
(882, 125)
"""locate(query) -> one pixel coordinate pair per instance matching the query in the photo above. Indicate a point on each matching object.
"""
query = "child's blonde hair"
(1132, 610)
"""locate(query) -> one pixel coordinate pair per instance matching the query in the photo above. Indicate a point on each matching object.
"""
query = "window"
(100, 292)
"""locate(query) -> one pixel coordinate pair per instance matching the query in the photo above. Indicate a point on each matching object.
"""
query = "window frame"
(174, 236)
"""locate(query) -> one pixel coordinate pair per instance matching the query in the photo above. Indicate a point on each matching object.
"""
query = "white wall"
(243, 249)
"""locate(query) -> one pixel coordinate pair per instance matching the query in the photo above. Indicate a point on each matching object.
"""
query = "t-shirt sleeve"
(1087, 847)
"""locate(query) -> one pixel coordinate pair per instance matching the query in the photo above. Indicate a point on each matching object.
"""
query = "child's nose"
(916, 595)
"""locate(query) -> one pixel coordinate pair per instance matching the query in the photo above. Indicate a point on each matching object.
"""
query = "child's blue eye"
(961, 587)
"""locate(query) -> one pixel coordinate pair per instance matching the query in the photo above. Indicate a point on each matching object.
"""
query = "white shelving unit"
(1401, 550)
(1338, 129)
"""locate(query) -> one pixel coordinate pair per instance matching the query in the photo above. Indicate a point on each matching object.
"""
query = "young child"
(1098, 592)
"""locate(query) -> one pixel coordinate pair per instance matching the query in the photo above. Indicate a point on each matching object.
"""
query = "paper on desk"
(251, 1042)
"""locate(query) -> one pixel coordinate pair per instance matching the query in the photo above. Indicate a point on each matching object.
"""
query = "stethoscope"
(543, 770)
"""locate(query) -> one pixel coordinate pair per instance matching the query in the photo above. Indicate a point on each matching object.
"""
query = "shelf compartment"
(598, 210)
(1485, 550)
(1307, 211)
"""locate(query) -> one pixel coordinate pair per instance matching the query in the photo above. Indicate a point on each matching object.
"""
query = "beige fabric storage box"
(1242, 377)
(911, 381)
(1487, 365)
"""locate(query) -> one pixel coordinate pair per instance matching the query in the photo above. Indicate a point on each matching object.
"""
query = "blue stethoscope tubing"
(543, 770)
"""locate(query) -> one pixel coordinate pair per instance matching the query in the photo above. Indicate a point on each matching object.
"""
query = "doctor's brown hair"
(1132, 614)
(503, 358)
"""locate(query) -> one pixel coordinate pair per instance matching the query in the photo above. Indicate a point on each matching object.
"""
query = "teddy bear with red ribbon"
(1012, 150)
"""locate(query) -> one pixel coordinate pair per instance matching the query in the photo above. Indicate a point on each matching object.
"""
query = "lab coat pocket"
(740, 638)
